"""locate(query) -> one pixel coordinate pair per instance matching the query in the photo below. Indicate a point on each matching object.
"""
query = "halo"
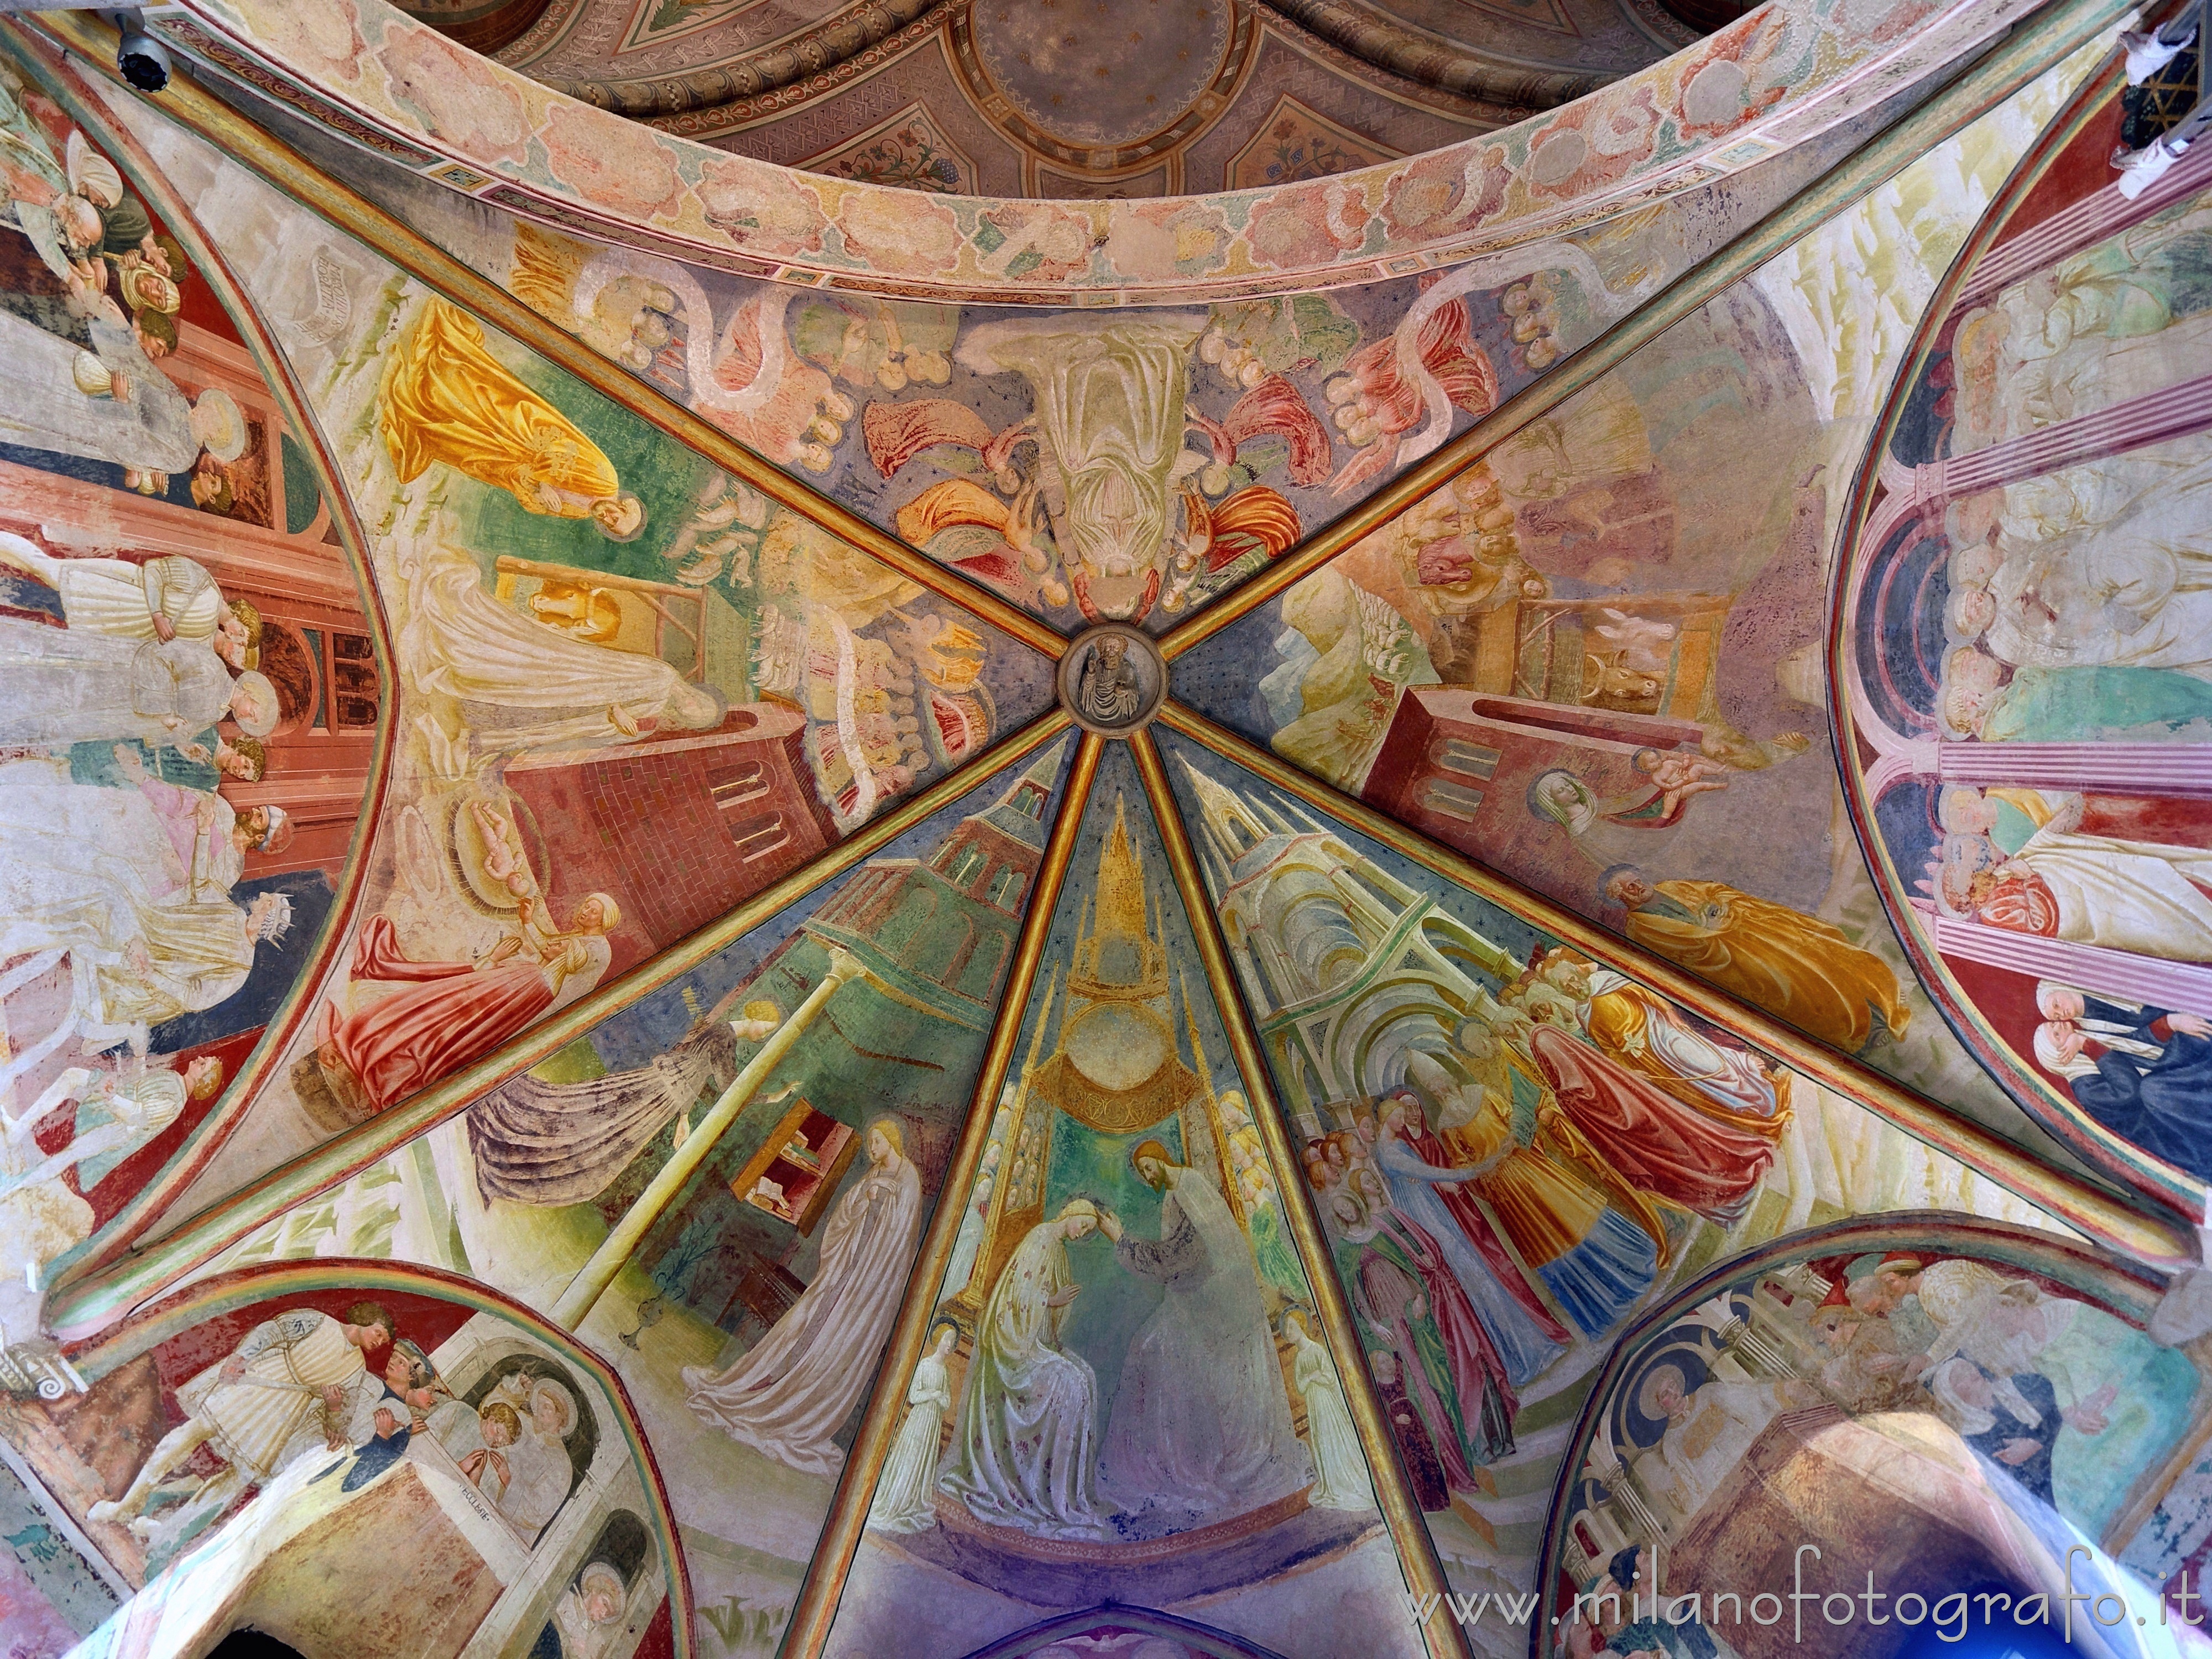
(1646, 1393)
(546, 1385)
(265, 691)
(221, 426)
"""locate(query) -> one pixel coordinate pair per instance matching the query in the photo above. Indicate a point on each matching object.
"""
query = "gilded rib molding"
(816, 1608)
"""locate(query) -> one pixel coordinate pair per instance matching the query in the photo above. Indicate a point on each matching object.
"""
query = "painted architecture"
(1239, 828)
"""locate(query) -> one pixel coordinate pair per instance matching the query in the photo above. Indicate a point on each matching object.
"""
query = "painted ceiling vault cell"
(795, 865)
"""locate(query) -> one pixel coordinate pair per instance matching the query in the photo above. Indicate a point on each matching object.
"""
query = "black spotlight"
(143, 60)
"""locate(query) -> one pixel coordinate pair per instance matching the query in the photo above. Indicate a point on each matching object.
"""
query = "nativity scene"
(1221, 835)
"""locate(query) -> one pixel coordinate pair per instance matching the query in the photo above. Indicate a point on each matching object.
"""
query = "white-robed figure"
(78, 685)
(169, 598)
(902, 1503)
(295, 1385)
(2147, 897)
(589, 1614)
(540, 1471)
(134, 883)
(793, 1390)
(1025, 1453)
(1341, 1478)
(1200, 1427)
(525, 686)
(2102, 597)
(1709, 1429)
(110, 403)
(116, 1116)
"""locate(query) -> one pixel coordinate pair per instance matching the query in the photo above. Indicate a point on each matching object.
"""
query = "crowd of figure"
(136, 695)
(2078, 599)
(120, 855)
(1524, 1188)
(353, 1394)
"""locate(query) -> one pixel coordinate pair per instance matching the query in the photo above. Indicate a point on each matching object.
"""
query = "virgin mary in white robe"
(1025, 1455)
(91, 871)
(1200, 1427)
(793, 1389)
(525, 686)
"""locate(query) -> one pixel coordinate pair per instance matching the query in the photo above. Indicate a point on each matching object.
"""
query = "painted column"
(607, 1260)
(2162, 771)
(2101, 214)
(2173, 411)
(2121, 975)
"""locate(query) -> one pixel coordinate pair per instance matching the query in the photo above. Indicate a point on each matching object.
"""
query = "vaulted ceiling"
(1077, 101)
(1119, 830)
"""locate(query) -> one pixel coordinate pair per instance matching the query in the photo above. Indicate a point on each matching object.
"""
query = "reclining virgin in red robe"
(454, 1012)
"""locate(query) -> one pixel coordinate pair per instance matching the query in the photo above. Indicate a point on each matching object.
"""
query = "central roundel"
(1112, 679)
(1101, 72)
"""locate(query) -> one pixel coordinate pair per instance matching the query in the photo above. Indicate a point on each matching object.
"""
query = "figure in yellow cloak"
(446, 398)
(1795, 966)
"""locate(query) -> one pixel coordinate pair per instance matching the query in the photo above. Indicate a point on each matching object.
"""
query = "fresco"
(1594, 660)
(196, 688)
(1722, 106)
(1122, 1399)
(1950, 1410)
(2023, 675)
(637, 692)
(619, 1213)
(1514, 1152)
(815, 1167)
(1001, 440)
(239, 1454)
(1089, 467)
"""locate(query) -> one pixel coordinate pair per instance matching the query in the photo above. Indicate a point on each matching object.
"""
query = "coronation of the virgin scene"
(1105, 829)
